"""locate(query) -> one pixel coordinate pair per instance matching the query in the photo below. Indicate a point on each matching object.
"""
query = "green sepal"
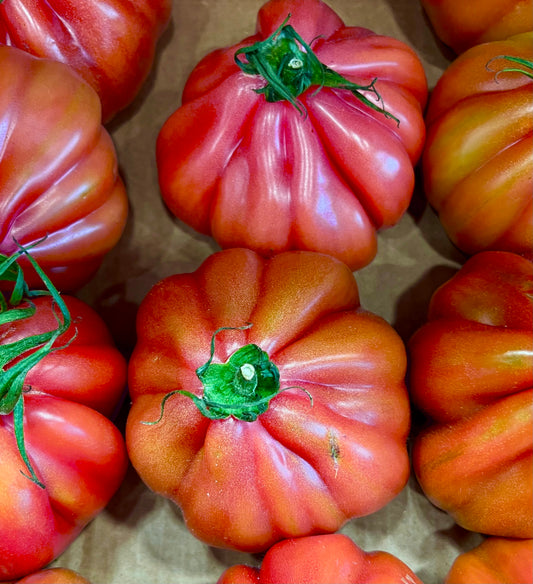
(289, 67)
(18, 357)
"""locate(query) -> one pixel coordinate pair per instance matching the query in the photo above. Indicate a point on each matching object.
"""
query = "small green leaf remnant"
(18, 357)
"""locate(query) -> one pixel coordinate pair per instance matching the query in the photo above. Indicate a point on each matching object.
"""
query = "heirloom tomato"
(478, 160)
(497, 560)
(471, 373)
(62, 457)
(110, 43)
(265, 401)
(59, 180)
(462, 25)
(322, 559)
(54, 576)
(302, 136)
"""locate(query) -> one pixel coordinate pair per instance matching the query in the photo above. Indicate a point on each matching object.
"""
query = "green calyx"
(242, 387)
(526, 66)
(289, 66)
(18, 357)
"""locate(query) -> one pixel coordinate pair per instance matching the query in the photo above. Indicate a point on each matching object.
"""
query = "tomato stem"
(528, 71)
(18, 357)
(290, 67)
(242, 387)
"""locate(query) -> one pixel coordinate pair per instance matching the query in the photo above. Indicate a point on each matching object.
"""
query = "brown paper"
(141, 537)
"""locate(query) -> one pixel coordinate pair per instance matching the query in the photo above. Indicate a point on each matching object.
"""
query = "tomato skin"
(477, 162)
(59, 171)
(496, 560)
(111, 44)
(321, 559)
(462, 25)
(237, 481)
(326, 180)
(54, 576)
(75, 450)
(471, 372)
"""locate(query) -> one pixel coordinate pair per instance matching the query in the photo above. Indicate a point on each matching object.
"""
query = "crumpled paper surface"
(141, 537)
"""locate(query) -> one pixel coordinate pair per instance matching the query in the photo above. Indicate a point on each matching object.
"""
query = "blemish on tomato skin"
(334, 451)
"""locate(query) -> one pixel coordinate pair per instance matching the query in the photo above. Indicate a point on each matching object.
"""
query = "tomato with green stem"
(477, 163)
(302, 136)
(266, 403)
(61, 376)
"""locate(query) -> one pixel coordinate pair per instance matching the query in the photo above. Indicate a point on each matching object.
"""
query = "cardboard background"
(141, 537)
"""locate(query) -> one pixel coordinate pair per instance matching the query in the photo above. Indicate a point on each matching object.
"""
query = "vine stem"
(18, 357)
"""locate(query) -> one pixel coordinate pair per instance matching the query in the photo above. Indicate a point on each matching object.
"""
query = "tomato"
(322, 559)
(288, 424)
(59, 182)
(471, 373)
(477, 163)
(54, 576)
(299, 161)
(462, 25)
(62, 458)
(111, 43)
(496, 560)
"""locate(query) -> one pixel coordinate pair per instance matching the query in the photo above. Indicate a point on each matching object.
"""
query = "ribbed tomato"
(478, 162)
(289, 423)
(60, 186)
(110, 43)
(322, 559)
(471, 373)
(302, 136)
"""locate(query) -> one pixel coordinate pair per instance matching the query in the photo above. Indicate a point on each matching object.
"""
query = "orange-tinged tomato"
(471, 373)
(497, 560)
(462, 24)
(54, 576)
(478, 162)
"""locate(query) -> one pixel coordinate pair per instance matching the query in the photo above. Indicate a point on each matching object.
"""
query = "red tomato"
(461, 25)
(478, 161)
(300, 164)
(497, 560)
(471, 373)
(72, 458)
(110, 43)
(295, 424)
(58, 170)
(322, 559)
(54, 576)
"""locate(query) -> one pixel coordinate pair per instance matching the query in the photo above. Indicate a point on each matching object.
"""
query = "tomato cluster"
(258, 395)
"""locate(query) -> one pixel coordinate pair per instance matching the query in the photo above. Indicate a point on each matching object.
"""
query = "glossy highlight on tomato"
(266, 403)
(302, 136)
